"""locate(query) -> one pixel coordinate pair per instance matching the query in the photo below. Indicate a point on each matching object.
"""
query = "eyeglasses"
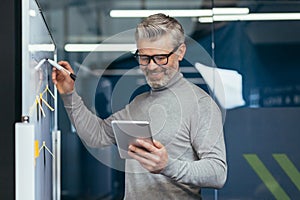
(159, 59)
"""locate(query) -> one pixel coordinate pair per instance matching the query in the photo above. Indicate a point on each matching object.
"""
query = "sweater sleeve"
(95, 131)
(207, 139)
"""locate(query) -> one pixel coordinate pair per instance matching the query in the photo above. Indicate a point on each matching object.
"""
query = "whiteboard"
(38, 97)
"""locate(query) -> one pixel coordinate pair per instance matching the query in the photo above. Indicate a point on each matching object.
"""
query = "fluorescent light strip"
(230, 11)
(179, 13)
(253, 17)
(99, 47)
(258, 16)
(206, 19)
(41, 47)
(174, 13)
(217, 14)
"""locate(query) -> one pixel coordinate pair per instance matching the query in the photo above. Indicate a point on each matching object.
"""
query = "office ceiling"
(88, 21)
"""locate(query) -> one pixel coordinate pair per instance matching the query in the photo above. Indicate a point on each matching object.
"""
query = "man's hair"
(158, 25)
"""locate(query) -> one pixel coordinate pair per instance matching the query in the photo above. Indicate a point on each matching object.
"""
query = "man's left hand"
(154, 157)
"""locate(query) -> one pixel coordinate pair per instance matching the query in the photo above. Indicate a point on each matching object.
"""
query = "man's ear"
(181, 52)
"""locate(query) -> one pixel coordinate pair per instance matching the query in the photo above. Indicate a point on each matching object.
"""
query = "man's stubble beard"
(168, 75)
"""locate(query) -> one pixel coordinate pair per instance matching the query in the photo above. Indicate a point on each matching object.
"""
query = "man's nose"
(152, 65)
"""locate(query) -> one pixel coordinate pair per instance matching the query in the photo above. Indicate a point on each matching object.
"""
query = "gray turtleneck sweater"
(184, 119)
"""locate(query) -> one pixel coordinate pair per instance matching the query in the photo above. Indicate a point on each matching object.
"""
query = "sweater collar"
(171, 83)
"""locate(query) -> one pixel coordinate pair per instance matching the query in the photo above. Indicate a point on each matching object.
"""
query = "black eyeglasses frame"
(136, 55)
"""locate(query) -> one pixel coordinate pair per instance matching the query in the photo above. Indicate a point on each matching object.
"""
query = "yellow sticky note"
(36, 149)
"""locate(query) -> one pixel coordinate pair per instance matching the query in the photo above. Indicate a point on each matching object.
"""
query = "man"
(188, 151)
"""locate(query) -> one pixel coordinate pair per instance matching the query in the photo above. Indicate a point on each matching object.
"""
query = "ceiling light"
(174, 13)
(230, 11)
(179, 13)
(258, 17)
(206, 19)
(253, 17)
(41, 47)
(99, 47)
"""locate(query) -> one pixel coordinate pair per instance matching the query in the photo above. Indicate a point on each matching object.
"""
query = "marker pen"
(57, 66)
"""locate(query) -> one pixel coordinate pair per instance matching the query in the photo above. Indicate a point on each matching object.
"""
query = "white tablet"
(126, 133)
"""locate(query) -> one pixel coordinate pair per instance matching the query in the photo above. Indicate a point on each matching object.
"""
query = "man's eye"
(144, 58)
(160, 57)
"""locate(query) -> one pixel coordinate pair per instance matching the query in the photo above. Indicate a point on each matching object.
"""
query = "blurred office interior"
(263, 50)
(255, 52)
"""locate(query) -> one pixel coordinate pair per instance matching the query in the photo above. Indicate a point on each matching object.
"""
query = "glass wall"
(252, 52)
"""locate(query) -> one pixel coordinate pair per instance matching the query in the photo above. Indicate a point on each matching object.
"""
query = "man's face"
(159, 75)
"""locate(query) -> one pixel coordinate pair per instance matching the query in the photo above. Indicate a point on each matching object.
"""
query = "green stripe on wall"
(289, 168)
(267, 178)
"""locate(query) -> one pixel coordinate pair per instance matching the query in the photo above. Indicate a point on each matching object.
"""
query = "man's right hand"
(64, 83)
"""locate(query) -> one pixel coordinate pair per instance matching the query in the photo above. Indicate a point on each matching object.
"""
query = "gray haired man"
(188, 152)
